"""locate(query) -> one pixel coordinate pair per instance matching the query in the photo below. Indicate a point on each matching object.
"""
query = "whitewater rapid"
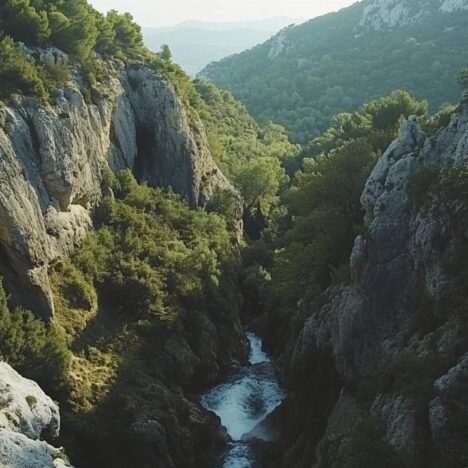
(243, 401)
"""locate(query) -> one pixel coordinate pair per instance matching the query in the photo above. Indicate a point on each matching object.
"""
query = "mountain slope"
(306, 74)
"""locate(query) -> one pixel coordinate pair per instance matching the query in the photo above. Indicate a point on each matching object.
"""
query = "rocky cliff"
(54, 156)
(27, 416)
(383, 14)
(389, 350)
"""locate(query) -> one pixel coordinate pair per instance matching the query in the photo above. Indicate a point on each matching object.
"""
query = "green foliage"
(326, 210)
(445, 183)
(24, 21)
(127, 40)
(31, 400)
(366, 447)
(227, 204)
(234, 135)
(70, 25)
(259, 181)
(32, 348)
(377, 121)
(253, 158)
(17, 73)
(77, 291)
(324, 201)
(165, 53)
(56, 74)
(151, 255)
(326, 67)
(77, 36)
(138, 300)
(73, 26)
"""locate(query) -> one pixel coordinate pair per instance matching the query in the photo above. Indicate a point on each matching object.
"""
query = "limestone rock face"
(398, 269)
(53, 157)
(382, 14)
(27, 415)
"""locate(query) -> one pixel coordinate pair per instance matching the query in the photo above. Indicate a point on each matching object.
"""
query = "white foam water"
(243, 401)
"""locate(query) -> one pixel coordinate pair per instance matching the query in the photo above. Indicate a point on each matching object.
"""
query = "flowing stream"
(243, 401)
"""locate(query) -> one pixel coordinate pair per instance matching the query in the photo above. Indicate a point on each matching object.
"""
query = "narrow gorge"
(183, 286)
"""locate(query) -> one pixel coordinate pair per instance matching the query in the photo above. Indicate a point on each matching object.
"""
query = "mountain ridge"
(306, 74)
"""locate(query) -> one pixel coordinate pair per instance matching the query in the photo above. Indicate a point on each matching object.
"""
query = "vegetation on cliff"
(33, 348)
(324, 212)
(134, 303)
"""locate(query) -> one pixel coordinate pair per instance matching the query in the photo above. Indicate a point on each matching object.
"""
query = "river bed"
(242, 401)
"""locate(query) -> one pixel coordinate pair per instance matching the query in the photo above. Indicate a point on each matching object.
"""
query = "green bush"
(79, 294)
(323, 203)
(31, 347)
(444, 183)
(151, 255)
(17, 73)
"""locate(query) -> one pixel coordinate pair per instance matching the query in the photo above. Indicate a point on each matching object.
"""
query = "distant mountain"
(268, 24)
(195, 44)
(306, 74)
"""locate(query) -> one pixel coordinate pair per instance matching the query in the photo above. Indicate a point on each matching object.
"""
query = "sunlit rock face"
(381, 14)
(53, 158)
(27, 415)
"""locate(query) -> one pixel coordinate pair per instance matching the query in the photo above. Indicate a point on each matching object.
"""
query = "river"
(242, 401)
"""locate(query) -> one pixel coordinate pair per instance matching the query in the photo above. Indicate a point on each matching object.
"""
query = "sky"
(169, 13)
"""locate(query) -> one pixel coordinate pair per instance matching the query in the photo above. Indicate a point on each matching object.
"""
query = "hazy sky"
(168, 13)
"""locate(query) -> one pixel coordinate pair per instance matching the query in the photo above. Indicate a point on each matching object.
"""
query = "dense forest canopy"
(323, 213)
(70, 25)
(306, 74)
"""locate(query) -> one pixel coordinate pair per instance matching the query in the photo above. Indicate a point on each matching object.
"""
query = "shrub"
(32, 348)
(17, 73)
(151, 254)
(445, 183)
(31, 400)
(78, 292)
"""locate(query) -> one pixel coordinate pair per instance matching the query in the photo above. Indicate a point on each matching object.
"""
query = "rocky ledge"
(27, 416)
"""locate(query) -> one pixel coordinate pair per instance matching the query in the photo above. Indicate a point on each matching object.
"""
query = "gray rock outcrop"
(384, 322)
(27, 415)
(53, 157)
(384, 14)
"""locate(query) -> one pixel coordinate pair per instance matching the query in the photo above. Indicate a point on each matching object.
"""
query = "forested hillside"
(306, 74)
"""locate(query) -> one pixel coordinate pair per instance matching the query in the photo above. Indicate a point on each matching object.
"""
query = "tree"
(324, 201)
(17, 73)
(128, 38)
(78, 36)
(19, 19)
(259, 181)
(165, 53)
